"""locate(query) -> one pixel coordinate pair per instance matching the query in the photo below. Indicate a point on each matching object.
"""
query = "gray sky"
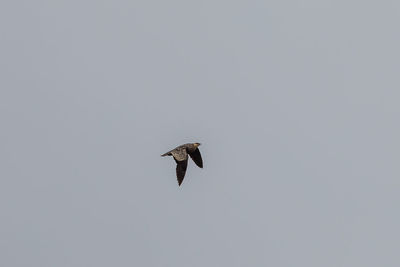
(296, 104)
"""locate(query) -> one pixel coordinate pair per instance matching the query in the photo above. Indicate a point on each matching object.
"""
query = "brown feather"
(181, 167)
(196, 157)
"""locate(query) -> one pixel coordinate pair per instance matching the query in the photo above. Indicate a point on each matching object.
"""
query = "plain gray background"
(296, 104)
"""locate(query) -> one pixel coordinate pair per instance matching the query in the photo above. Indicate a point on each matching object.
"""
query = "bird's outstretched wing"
(196, 157)
(181, 167)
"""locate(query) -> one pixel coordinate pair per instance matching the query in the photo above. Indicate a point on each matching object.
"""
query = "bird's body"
(180, 155)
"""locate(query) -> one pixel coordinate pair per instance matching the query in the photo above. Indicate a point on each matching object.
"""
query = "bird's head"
(196, 144)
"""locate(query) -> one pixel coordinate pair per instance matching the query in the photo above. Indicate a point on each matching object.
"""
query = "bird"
(180, 155)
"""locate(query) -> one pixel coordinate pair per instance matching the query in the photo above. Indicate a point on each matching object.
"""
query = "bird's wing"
(196, 157)
(181, 170)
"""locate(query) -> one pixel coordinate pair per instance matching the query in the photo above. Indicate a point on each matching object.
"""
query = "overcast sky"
(296, 104)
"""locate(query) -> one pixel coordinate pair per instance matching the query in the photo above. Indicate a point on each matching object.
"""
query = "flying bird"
(180, 155)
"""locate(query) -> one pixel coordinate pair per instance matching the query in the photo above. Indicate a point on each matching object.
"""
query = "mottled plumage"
(180, 155)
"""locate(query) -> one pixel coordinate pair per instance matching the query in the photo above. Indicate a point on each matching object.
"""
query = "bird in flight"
(180, 155)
